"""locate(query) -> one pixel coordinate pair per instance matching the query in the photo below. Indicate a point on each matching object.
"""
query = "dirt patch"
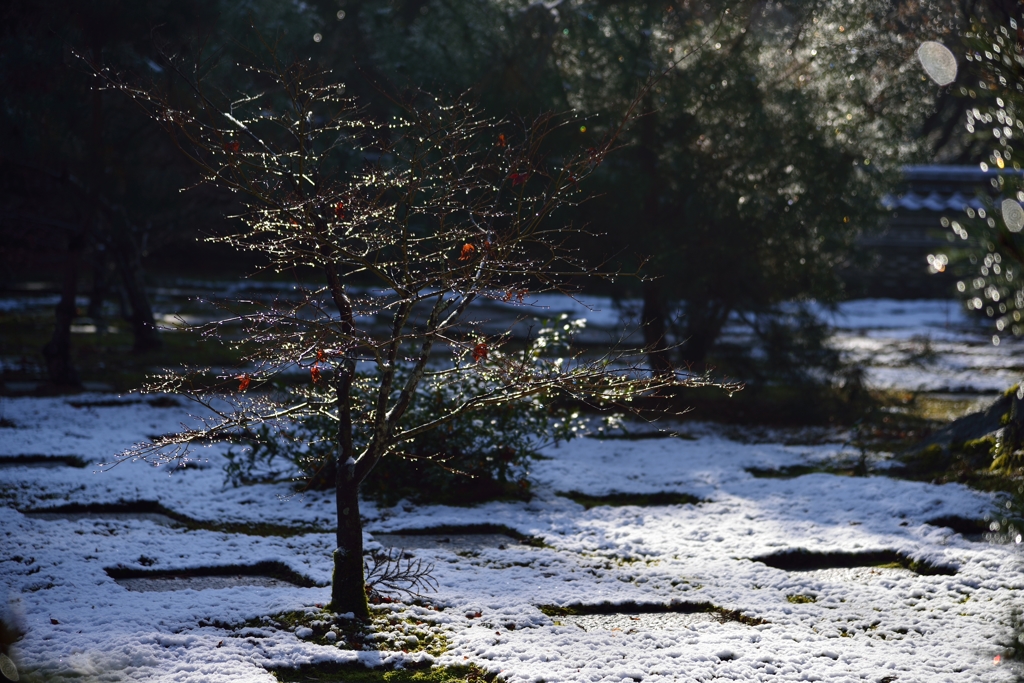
(39, 460)
(269, 574)
(788, 472)
(454, 542)
(639, 499)
(154, 511)
(357, 673)
(971, 529)
(156, 402)
(485, 532)
(643, 436)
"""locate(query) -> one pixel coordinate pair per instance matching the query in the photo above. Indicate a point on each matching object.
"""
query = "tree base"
(348, 592)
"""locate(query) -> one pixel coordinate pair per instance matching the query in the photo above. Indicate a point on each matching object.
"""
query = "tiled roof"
(936, 188)
(933, 201)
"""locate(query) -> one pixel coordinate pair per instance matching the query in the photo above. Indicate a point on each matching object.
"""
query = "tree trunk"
(57, 352)
(129, 264)
(652, 320)
(100, 285)
(348, 586)
(704, 322)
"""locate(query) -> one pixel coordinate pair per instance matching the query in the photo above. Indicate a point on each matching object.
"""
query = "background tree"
(75, 170)
(987, 245)
(408, 222)
(87, 193)
(759, 161)
(756, 163)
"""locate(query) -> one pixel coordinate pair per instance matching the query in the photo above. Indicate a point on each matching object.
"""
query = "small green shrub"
(479, 455)
(979, 448)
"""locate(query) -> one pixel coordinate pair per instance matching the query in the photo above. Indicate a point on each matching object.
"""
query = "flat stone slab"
(861, 575)
(179, 583)
(155, 517)
(628, 622)
(40, 460)
(802, 560)
(454, 542)
(269, 574)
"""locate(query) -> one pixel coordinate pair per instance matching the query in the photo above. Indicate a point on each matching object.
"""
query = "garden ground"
(684, 551)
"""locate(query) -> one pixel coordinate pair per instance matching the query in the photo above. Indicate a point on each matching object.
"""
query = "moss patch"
(393, 628)
(577, 609)
(103, 358)
(805, 560)
(639, 499)
(800, 599)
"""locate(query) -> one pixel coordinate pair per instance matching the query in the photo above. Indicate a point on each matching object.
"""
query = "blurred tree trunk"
(654, 317)
(101, 277)
(704, 322)
(653, 322)
(129, 266)
(57, 352)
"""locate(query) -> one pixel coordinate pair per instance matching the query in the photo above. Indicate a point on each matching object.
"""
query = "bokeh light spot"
(938, 62)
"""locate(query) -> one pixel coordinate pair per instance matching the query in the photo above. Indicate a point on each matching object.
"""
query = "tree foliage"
(987, 246)
(769, 133)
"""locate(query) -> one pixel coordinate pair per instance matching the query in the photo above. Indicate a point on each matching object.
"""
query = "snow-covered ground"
(839, 624)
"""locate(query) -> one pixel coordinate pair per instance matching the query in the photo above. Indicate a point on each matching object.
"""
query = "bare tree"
(409, 221)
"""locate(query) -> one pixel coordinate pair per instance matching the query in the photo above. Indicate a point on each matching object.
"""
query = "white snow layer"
(864, 624)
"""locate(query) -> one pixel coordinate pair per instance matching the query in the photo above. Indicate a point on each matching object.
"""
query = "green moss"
(799, 599)
(388, 630)
(978, 452)
(357, 673)
(578, 609)
(107, 358)
(639, 499)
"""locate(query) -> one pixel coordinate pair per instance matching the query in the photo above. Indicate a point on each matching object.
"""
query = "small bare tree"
(409, 221)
